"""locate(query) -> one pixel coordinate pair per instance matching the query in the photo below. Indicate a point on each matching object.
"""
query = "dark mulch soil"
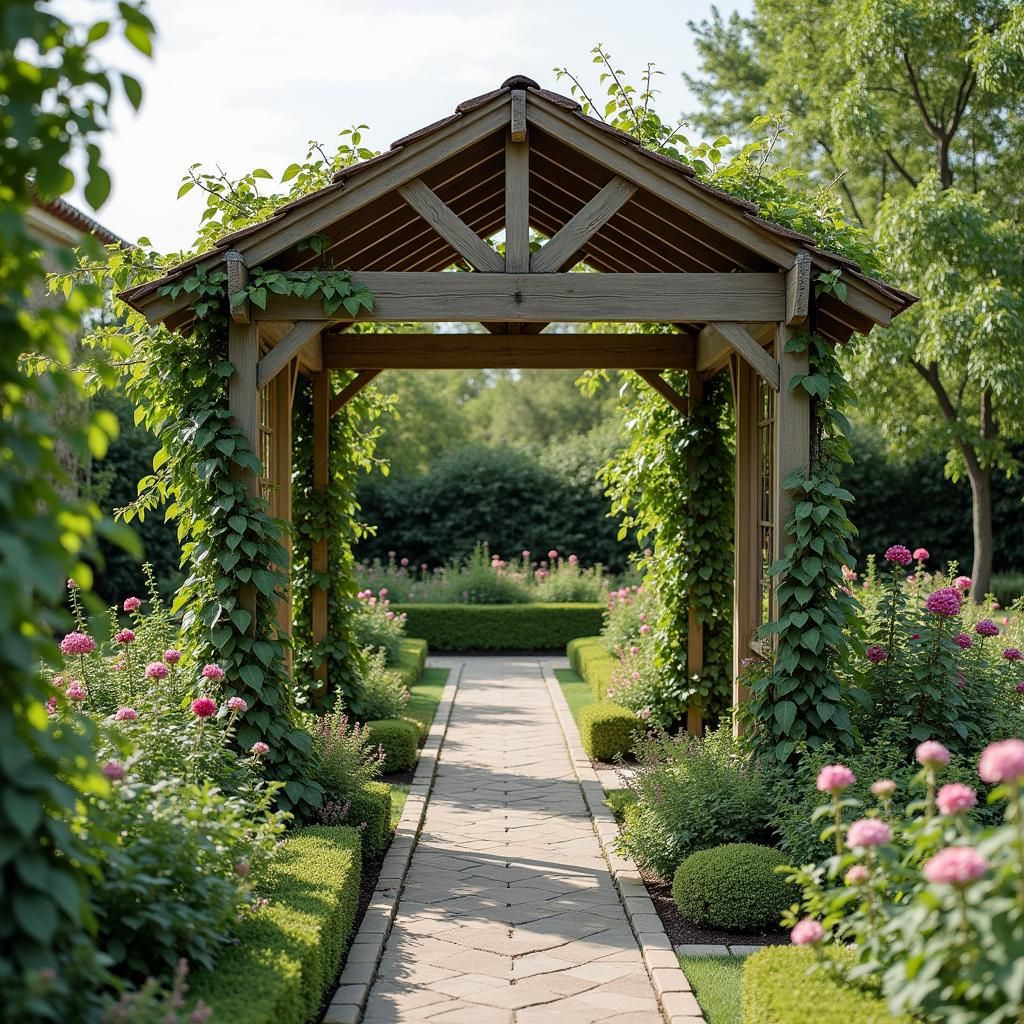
(681, 931)
(400, 778)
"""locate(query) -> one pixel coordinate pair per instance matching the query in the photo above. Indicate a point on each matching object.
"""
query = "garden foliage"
(608, 731)
(399, 740)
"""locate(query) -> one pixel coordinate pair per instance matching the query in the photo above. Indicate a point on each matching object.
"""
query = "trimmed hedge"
(400, 739)
(780, 987)
(607, 730)
(372, 805)
(733, 886)
(288, 953)
(412, 660)
(592, 662)
(501, 627)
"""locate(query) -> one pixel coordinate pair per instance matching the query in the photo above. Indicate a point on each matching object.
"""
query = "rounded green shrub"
(733, 886)
(607, 730)
(400, 739)
(370, 811)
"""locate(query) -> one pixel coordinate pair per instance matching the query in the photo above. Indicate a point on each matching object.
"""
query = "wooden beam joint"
(655, 380)
(238, 278)
(518, 124)
(798, 289)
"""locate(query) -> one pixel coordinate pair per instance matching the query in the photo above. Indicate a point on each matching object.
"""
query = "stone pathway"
(509, 913)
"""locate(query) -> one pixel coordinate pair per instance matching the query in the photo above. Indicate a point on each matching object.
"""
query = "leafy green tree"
(912, 111)
(56, 95)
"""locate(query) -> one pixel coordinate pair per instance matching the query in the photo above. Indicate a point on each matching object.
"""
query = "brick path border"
(675, 996)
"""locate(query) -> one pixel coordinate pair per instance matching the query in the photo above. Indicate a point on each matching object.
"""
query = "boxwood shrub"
(607, 730)
(501, 627)
(412, 659)
(780, 986)
(733, 886)
(592, 662)
(290, 951)
(400, 739)
(372, 805)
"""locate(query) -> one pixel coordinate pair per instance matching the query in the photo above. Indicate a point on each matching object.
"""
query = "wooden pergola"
(662, 246)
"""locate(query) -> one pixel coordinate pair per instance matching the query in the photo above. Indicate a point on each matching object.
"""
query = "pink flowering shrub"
(638, 683)
(377, 626)
(929, 886)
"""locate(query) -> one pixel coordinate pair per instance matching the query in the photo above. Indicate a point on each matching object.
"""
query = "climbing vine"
(798, 700)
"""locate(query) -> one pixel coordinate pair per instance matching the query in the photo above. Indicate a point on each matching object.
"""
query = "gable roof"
(673, 223)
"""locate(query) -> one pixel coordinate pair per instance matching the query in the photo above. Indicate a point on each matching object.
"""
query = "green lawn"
(716, 984)
(399, 791)
(425, 695)
(576, 690)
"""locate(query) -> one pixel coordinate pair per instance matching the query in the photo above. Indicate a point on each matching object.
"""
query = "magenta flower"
(113, 770)
(931, 754)
(77, 643)
(132, 604)
(552, 554)
(172, 656)
(204, 707)
(883, 788)
(857, 875)
(806, 933)
(956, 798)
(876, 654)
(955, 865)
(51, 706)
(867, 832)
(1012, 654)
(834, 778)
(157, 670)
(963, 640)
(125, 715)
(921, 554)
(125, 636)
(645, 629)
(76, 691)
(404, 562)
(898, 554)
(986, 627)
(1002, 761)
(238, 704)
(214, 672)
(259, 748)
(944, 602)
(962, 583)
(1020, 687)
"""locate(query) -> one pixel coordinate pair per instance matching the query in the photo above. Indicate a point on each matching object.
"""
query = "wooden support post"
(281, 496)
(517, 128)
(695, 629)
(243, 353)
(321, 463)
(792, 432)
(517, 207)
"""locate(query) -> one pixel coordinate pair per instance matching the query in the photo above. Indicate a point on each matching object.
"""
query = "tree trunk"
(981, 514)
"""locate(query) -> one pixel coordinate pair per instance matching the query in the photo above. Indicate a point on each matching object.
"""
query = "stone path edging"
(675, 996)
(349, 998)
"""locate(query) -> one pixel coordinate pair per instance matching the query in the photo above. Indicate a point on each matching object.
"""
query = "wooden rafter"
(287, 348)
(452, 228)
(669, 393)
(521, 351)
(561, 250)
(351, 389)
(552, 298)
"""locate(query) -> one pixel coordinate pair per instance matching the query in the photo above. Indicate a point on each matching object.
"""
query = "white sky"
(248, 84)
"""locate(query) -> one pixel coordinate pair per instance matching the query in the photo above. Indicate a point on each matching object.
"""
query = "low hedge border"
(592, 662)
(412, 660)
(607, 730)
(370, 812)
(780, 987)
(400, 738)
(288, 953)
(501, 627)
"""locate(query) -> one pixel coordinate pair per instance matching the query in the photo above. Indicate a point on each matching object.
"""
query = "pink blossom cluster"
(77, 643)
(876, 654)
(944, 602)
(834, 778)
(898, 554)
(125, 636)
(986, 627)
(868, 832)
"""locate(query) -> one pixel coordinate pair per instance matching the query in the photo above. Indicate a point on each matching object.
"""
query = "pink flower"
(113, 770)
(573, 560)
(1020, 687)
(259, 748)
(51, 706)
(876, 654)
(883, 788)
(213, 672)
(77, 643)
(72, 585)
(857, 875)
(204, 707)
(526, 556)
(404, 562)
(76, 691)
(1012, 654)
(867, 832)
(986, 627)
(389, 616)
(921, 554)
(848, 573)
(1002, 761)
(944, 602)
(956, 798)
(383, 591)
(644, 713)
(806, 933)
(242, 868)
(172, 656)
(634, 650)
(898, 555)
(931, 754)
(955, 865)
(125, 715)
(963, 640)
(834, 778)
(238, 704)
(552, 554)
(645, 629)
(58, 682)
(125, 636)
(132, 604)
(156, 670)
(962, 583)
